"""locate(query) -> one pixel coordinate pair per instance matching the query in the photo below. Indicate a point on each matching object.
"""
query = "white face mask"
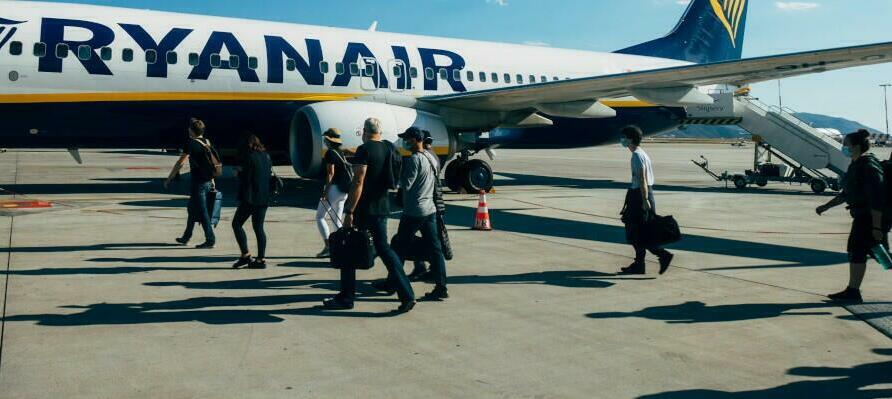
(624, 142)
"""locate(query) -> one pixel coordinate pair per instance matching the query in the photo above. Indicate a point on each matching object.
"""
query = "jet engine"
(308, 124)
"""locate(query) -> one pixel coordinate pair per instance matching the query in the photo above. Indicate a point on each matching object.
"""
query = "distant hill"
(734, 132)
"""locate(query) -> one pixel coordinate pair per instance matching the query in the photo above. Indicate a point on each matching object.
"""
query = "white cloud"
(683, 2)
(537, 43)
(501, 3)
(796, 5)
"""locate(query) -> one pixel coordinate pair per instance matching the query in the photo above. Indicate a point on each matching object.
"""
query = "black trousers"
(376, 225)
(257, 215)
(430, 236)
(636, 220)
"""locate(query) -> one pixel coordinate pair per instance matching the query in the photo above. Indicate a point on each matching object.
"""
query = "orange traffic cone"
(481, 222)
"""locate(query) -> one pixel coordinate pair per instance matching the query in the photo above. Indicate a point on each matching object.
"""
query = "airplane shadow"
(822, 382)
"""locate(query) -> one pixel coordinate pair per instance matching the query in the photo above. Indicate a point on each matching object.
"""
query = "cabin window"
(354, 69)
(15, 48)
(291, 65)
(507, 78)
(369, 70)
(253, 62)
(234, 61)
(429, 73)
(339, 68)
(171, 57)
(413, 72)
(84, 52)
(193, 59)
(216, 61)
(495, 77)
(62, 50)
(40, 50)
(543, 79)
(470, 76)
(483, 77)
(519, 79)
(127, 55)
(105, 53)
(532, 78)
(556, 78)
(456, 75)
(397, 71)
(443, 73)
(151, 56)
(323, 67)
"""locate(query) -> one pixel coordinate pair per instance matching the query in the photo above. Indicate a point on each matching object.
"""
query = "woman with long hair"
(254, 196)
(338, 177)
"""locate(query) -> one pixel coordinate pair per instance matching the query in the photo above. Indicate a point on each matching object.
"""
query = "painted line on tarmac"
(8, 267)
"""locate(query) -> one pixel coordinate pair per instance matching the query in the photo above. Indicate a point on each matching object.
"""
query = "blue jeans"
(377, 226)
(409, 225)
(198, 211)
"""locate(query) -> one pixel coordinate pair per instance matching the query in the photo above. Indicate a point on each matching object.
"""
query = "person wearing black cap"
(368, 206)
(418, 182)
(864, 193)
(419, 270)
(338, 177)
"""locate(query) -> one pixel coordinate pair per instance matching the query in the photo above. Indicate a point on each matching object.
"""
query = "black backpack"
(887, 181)
(393, 166)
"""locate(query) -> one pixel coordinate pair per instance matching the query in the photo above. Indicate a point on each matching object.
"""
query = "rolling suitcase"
(215, 206)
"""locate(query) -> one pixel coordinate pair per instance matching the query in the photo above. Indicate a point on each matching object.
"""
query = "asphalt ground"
(98, 301)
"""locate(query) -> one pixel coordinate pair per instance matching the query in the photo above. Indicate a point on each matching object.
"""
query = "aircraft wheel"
(454, 175)
(740, 182)
(477, 176)
(818, 186)
(761, 183)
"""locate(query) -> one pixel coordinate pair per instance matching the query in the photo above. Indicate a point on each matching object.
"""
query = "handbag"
(276, 184)
(350, 248)
(662, 230)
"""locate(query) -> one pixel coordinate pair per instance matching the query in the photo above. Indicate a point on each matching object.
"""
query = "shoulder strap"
(433, 168)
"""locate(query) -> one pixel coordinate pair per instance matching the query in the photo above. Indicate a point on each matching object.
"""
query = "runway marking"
(25, 204)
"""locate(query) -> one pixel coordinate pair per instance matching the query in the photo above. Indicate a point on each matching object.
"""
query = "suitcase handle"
(329, 209)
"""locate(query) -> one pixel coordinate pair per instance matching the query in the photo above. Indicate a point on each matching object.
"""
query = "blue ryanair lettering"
(215, 45)
(146, 42)
(428, 60)
(52, 32)
(354, 52)
(404, 82)
(277, 49)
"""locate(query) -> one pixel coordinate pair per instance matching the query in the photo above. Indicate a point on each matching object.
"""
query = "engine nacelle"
(309, 122)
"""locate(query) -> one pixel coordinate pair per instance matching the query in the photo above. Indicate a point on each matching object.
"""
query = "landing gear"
(472, 175)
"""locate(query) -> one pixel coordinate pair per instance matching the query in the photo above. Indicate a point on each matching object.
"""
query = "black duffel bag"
(415, 250)
(444, 237)
(352, 248)
(662, 230)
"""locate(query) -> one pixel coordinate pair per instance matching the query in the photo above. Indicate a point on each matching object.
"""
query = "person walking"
(640, 206)
(338, 178)
(196, 152)
(254, 196)
(418, 182)
(864, 193)
(420, 271)
(368, 209)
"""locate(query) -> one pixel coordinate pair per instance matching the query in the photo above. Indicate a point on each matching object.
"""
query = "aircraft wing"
(738, 72)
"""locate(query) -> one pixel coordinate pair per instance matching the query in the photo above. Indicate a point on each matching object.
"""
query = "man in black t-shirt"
(368, 208)
(202, 184)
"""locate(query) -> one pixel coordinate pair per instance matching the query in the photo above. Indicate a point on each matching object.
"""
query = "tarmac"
(98, 301)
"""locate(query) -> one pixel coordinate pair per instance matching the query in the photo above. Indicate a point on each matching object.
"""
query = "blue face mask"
(847, 151)
(407, 146)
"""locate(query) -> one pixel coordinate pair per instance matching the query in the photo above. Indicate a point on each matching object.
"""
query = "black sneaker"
(665, 261)
(241, 262)
(849, 295)
(206, 245)
(257, 264)
(633, 269)
(182, 240)
(405, 306)
(438, 294)
(337, 303)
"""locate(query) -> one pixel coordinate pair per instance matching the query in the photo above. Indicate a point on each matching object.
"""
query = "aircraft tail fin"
(709, 31)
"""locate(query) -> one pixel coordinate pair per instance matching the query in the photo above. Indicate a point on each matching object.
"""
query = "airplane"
(84, 76)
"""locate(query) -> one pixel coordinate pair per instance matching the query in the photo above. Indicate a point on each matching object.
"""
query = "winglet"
(374, 27)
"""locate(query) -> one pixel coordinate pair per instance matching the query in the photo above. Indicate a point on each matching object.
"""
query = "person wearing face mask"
(639, 206)
(864, 194)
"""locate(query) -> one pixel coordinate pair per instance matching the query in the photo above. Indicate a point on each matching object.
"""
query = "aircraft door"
(399, 75)
(369, 78)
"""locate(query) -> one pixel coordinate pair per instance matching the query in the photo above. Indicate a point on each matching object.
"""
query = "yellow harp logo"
(729, 12)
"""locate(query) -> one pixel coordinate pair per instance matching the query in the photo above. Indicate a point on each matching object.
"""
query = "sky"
(773, 27)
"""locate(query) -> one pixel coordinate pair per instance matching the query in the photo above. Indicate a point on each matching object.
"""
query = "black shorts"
(861, 238)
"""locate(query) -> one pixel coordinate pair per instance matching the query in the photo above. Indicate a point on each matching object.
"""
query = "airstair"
(795, 142)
